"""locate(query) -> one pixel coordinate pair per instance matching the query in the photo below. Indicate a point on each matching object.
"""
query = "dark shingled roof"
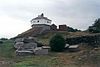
(41, 17)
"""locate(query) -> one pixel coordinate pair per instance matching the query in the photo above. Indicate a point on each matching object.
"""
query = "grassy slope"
(45, 38)
(5, 47)
(62, 59)
(7, 54)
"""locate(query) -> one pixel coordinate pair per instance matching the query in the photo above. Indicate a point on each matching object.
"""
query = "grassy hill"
(87, 57)
(44, 39)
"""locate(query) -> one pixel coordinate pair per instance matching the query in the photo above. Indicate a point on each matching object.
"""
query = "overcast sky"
(15, 15)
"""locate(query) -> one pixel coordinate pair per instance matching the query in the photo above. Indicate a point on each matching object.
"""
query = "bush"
(57, 43)
(4, 39)
(1, 42)
(95, 28)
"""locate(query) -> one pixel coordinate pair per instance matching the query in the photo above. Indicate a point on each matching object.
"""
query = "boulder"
(18, 44)
(19, 40)
(23, 52)
(41, 52)
(29, 46)
(28, 40)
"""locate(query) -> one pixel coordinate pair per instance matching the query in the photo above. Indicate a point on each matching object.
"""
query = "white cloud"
(9, 27)
(16, 14)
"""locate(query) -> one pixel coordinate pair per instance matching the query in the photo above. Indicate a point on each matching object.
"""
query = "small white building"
(41, 20)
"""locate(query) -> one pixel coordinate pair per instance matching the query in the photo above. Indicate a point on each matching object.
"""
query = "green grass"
(6, 49)
(53, 59)
(44, 39)
(7, 53)
(40, 61)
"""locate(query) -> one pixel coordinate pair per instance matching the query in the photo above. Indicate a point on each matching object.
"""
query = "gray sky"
(15, 15)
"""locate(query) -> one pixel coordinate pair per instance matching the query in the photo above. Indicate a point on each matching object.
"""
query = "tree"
(57, 43)
(70, 29)
(97, 23)
(4, 39)
(95, 28)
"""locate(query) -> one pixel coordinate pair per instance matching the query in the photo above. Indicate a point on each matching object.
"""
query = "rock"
(79, 58)
(19, 40)
(41, 52)
(23, 52)
(28, 40)
(33, 38)
(96, 49)
(93, 40)
(29, 46)
(18, 44)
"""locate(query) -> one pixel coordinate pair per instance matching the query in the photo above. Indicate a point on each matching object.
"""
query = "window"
(38, 21)
(47, 21)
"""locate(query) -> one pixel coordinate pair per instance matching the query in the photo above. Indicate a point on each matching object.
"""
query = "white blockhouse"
(40, 20)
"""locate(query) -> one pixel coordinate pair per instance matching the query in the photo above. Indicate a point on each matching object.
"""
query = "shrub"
(4, 39)
(1, 42)
(57, 43)
(95, 28)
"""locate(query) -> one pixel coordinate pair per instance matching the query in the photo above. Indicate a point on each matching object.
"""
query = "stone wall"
(93, 40)
(43, 28)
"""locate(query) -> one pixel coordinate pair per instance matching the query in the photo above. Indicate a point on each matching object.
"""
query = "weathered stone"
(33, 38)
(18, 44)
(41, 52)
(28, 40)
(93, 40)
(19, 40)
(23, 52)
(29, 46)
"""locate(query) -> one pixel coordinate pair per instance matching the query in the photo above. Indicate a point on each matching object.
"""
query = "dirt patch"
(65, 58)
(5, 63)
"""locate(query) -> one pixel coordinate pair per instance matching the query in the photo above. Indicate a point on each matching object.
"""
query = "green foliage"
(40, 61)
(95, 28)
(6, 49)
(70, 29)
(97, 23)
(4, 39)
(57, 43)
